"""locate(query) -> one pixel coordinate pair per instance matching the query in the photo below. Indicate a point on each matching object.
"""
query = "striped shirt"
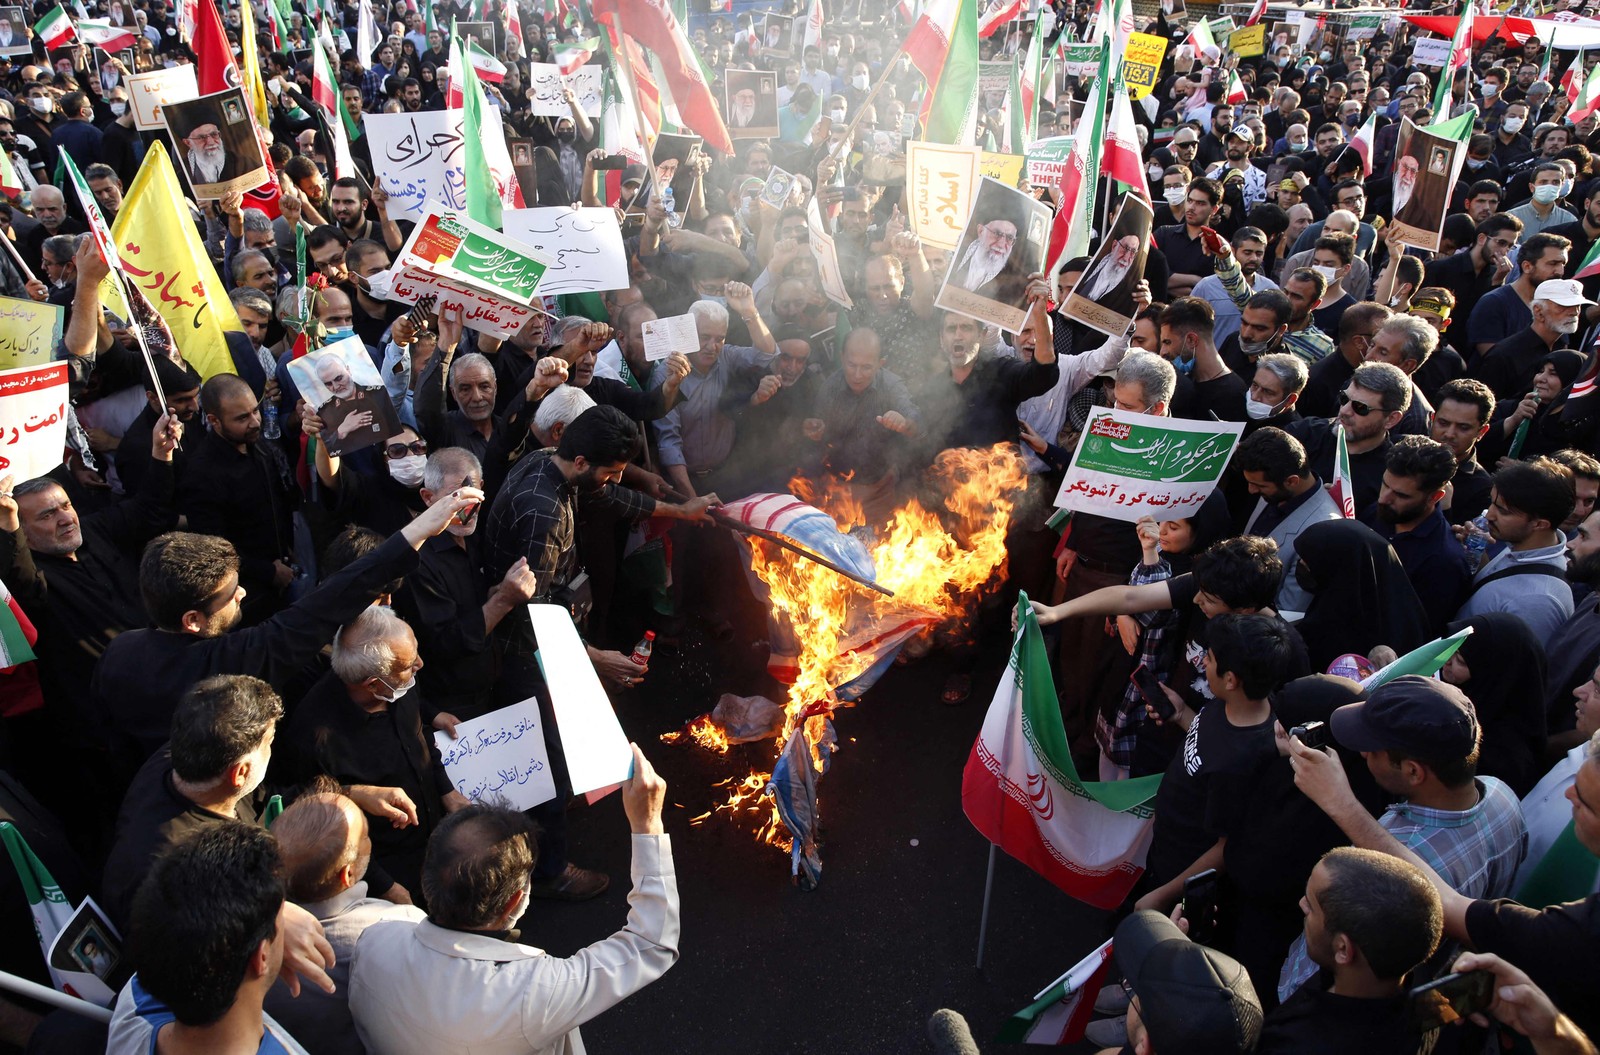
(1309, 344)
(1477, 851)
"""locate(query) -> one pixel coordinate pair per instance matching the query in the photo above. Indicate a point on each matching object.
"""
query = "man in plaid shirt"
(1420, 738)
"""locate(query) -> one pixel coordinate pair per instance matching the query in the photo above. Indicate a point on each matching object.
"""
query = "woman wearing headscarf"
(1541, 409)
(1281, 836)
(1500, 666)
(1361, 596)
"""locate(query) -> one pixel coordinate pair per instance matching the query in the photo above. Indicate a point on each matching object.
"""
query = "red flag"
(1256, 13)
(653, 25)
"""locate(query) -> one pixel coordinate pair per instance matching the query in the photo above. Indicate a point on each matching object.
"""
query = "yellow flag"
(250, 66)
(162, 253)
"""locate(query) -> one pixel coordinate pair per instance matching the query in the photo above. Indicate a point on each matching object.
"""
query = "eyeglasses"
(1002, 236)
(400, 450)
(1187, 144)
(207, 137)
(1361, 409)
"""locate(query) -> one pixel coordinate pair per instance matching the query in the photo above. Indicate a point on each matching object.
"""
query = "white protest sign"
(148, 91)
(500, 758)
(33, 420)
(545, 84)
(1133, 465)
(676, 333)
(418, 158)
(1431, 51)
(584, 247)
(827, 258)
(940, 179)
(597, 752)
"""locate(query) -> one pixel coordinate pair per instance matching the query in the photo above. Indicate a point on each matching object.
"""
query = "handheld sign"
(676, 333)
(500, 757)
(33, 420)
(1131, 465)
(597, 753)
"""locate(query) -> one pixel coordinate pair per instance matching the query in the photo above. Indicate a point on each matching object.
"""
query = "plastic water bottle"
(669, 203)
(1477, 541)
(269, 420)
(641, 651)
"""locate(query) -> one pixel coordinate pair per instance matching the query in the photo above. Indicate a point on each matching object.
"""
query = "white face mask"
(1546, 194)
(407, 471)
(1325, 271)
(861, 82)
(1512, 124)
(395, 691)
(1258, 410)
(1491, 90)
(1175, 195)
(119, 108)
(836, 116)
(1155, 171)
(42, 104)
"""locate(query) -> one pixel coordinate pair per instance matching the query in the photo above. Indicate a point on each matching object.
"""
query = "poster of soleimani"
(1004, 242)
(218, 149)
(341, 383)
(1425, 169)
(1103, 297)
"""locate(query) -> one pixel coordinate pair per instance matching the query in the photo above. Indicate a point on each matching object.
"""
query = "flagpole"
(983, 919)
(46, 995)
(850, 129)
(624, 61)
(16, 256)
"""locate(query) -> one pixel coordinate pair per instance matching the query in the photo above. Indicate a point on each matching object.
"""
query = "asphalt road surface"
(890, 934)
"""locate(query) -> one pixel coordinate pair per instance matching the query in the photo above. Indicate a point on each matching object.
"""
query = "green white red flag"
(999, 13)
(54, 30)
(1460, 55)
(46, 901)
(1342, 490)
(105, 36)
(1021, 789)
(9, 184)
(1587, 99)
(1363, 143)
(1069, 234)
(569, 57)
(1060, 1012)
(482, 196)
(657, 28)
(944, 46)
(1591, 263)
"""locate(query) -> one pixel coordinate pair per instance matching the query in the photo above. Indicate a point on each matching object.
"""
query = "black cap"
(1416, 716)
(1192, 999)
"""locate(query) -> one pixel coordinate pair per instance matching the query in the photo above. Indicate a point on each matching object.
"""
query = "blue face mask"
(1183, 366)
(340, 334)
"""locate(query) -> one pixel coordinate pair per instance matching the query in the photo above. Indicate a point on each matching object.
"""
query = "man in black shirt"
(1459, 421)
(181, 385)
(1188, 335)
(1473, 272)
(1181, 242)
(1371, 919)
(972, 401)
(1372, 403)
(363, 724)
(1330, 374)
(238, 488)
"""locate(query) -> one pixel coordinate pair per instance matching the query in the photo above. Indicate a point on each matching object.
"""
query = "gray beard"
(982, 266)
(207, 170)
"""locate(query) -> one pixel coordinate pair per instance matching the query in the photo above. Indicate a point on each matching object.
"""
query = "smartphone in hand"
(1200, 905)
(1144, 679)
(1449, 1000)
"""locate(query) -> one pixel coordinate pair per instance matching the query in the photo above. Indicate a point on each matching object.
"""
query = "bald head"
(324, 844)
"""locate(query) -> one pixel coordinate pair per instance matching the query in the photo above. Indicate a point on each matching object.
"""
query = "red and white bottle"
(641, 651)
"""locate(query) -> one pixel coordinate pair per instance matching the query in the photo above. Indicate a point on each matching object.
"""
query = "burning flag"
(1021, 788)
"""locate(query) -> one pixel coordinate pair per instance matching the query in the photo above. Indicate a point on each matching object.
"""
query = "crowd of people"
(231, 601)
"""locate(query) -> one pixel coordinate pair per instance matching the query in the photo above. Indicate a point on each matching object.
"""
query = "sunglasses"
(1361, 409)
(400, 450)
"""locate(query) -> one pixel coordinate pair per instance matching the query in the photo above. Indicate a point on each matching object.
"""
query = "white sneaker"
(1113, 1000)
(1107, 1032)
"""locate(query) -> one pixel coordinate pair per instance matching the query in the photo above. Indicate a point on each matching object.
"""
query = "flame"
(938, 562)
(703, 731)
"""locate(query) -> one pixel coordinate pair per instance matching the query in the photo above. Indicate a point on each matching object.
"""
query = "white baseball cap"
(1567, 292)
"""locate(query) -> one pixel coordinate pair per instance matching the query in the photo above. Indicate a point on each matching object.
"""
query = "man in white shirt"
(486, 993)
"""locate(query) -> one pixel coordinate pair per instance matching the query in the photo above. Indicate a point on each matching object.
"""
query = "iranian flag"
(1236, 93)
(999, 13)
(947, 54)
(571, 56)
(486, 66)
(482, 196)
(9, 184)
(622, 127)
(513, 23)
(1028, 87)
(1121, 159)
(655, 27)
(1069, 234)
(1460, 54)
(49, 905)
(1062, 1009)
(1591, 263)
(329, 99)
(19, 674)
(810, 30)
(1587, 99)
(369, 35)
(1021, 789)
(1342, 490)
(324, 85)
(1424, 661)
(1200, 38)
(1362, 143)
(1256, 13)
(105, 36)
(55, 28)
(1571, 80)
